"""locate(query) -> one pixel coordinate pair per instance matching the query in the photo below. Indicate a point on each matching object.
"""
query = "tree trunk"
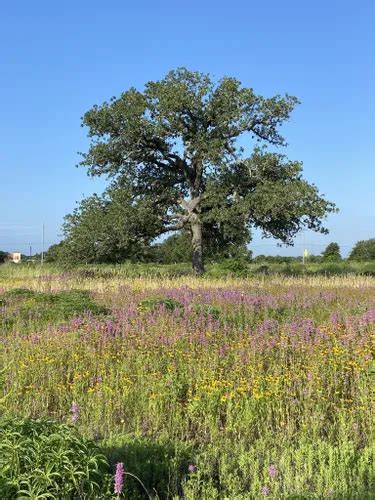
(197, 246)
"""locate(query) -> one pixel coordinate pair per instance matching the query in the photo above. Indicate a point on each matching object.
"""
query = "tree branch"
(190, 205)
(174, 227)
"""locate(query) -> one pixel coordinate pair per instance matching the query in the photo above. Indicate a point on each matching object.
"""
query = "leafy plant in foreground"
(43, 459)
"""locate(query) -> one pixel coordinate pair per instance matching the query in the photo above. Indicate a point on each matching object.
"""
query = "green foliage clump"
(236, 266)
(22, 293)
(112, 228)
(176, 248)
(275, 259)
(331, 253)
(43, 459)
(363, 250)
(367, 268)
(155, 303)
(332, 269)
(263, 269)
(23, 306)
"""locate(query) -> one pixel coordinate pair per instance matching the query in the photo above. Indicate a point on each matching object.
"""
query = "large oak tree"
(177, 142)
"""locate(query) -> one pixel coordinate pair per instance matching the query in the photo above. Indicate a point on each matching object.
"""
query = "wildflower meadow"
(176, 387)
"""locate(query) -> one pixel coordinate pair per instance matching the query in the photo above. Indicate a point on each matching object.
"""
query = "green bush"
(367, 269)
(25, 306)
(237, 266)
(22, 293)
(332, 268)
(155, 303)
(262, 270)
(43, 459)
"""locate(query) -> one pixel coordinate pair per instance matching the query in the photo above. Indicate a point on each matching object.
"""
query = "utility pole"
(42, 259)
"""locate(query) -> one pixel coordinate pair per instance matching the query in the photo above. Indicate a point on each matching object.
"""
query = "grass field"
(211, 388)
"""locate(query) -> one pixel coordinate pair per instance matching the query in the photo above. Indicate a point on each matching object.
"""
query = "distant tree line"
(78, 249)
(362, 251)
(177, 249)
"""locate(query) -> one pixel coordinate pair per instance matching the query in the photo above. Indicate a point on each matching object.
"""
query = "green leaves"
(183, 122)
(363, 250)
(155, 303)
(43, 459)
(332, 253)
(116, 226)
(267, 191)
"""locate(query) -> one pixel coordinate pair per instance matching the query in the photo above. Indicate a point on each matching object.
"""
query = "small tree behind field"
(332, 253)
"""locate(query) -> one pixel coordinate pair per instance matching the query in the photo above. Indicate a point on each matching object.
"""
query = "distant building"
(14, 257)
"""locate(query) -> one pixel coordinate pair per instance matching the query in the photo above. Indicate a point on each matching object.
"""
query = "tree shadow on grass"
(162, 467)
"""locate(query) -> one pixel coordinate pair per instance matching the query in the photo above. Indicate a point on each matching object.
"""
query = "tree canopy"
(332, 253)
(177, 144)
(112, 227)
(363, 250)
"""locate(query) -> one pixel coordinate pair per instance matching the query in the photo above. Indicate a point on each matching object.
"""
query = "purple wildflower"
(265, 491)
(272, 471)
(191, 468)
(74, 411)
(109, 326)
(119, 478)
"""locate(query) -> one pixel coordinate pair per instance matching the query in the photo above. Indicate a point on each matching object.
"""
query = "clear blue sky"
(57, 59)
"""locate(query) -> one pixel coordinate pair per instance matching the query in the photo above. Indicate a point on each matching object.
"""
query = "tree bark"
(197, 246)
